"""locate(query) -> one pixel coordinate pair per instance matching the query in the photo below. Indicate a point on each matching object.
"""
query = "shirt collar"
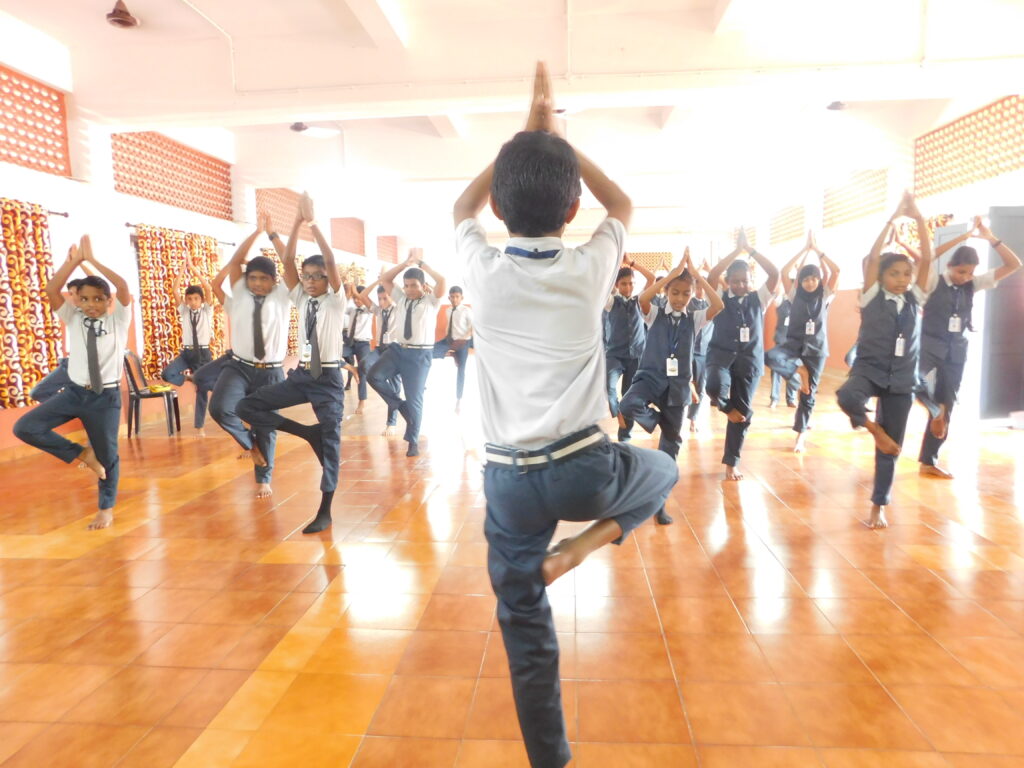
(734, 296)
(899, 298)
(539, 244)
(667, 308)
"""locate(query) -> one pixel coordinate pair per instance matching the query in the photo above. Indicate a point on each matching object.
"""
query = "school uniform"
(196, 332)
(385, 337)
(888, 350)
(541, 371)
(205, 379)
(51, 383)
(409, 359)
(806, 342)
(664, 375)
(259, 343)
(782, 312)
(946, 316)
(316, 380)
(458, 338)
(92, 394)
(699, 368)
(624, 347)
(358, 335)
(736, 362)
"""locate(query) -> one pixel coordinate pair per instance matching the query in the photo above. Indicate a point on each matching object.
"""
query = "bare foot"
(773, 404)
(939, 426)
(883, 442)
(731, 473)
(359, 408)
(735, 416)
(693, 426)
(199, 433)
(88, 458)
(104, 518)
(390, 431)
(801, 439)
(877, 519)
(257, 456)
(622, 421)
(243, 455)
(805, 380)
(930, 470)
(458, 406)
(264, 491)
(570, 552)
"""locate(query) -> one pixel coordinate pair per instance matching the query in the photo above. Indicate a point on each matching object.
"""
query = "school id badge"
(954, 324)
(809, 328)
(671, 366)
(307, 352)
(744, 334)
(901, 346)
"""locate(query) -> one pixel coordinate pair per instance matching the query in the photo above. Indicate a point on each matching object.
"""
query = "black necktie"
(352, 327)
(409, 307)
(313, 338)
(385, 319)
(259, 351)
(193, 318)
(451, 319)
(94, 326)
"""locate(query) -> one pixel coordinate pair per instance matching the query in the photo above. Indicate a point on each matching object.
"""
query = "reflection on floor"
(767, 627)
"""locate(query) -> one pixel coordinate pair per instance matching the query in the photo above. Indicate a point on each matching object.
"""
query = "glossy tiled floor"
(765, 628)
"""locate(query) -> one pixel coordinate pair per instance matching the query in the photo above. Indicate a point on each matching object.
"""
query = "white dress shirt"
(330, 322)
(379, 313)
(983, 282)
(462, 329)
(274, 317)
(364, 321)
(110, 344)
(424, 317)
(765, 296)
(538, 332)
(700, 316)
(204, 324)
(869, 293)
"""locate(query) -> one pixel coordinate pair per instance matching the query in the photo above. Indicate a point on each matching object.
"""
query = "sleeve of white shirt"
(122, 317)
(918, 294)
(281, 295)
(607, 245)
(397, 294)
(431, 299)
(765, 295)
(295, 294)
(986, 281)
(470, 246)
(67, 312)
(236, 288)
(608, 304)
(652, 314)
(700, 319)
(868, 294)
(932, 282)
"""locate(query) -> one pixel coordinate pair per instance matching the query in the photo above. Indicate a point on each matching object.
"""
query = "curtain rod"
(219, 242)
(65, 214)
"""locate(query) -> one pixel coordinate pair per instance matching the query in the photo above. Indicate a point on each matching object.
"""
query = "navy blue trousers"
(460, 354)
(733, 388)
(784, 362)
(700, 375)
(620, 368)
(407, 367)
(236, 381)
(608, 480)
(205, 379)
(948, 377)
(326, 395)
(637, 405)
(100, 413)
(892, 412)
(52, 383)
(358, 354)
(190, 360)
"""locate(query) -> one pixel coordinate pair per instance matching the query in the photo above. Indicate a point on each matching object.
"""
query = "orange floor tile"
(767, 627)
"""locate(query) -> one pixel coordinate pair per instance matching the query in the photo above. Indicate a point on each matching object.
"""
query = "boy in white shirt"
(458, 338)
(196, 315)
(409, 358)
(358, 335)
(384, 311)
(97, 338)
(317, 294)
(540, 363)
(258, 313)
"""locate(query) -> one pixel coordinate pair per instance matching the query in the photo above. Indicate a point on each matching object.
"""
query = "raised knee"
(22, 431)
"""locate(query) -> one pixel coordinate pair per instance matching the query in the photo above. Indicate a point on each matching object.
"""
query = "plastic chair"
(138, 392)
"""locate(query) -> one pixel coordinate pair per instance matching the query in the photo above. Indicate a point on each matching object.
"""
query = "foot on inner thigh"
(731, 473)
(883, 442)
(939, 426)
(104, 519)
(88, 458)
(931, 470)
(257, 456)
(877, 519)
(735, 416)
(570, 552)
(805, 381)
(264, 491)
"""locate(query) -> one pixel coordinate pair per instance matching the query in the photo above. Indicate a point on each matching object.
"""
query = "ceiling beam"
(718, 11)
(447, 127)
(382, 20)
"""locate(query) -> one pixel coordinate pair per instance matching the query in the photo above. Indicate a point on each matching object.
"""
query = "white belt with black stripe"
(523, 459)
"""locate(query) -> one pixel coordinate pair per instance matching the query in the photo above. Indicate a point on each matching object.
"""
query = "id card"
(744, 334)
(954, 324)
(809, 328)
(307, 352)
(901, 346)
(671, 366)
(785, 322)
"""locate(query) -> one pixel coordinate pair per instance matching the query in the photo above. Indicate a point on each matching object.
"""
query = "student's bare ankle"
(104, 519)
(877, 519)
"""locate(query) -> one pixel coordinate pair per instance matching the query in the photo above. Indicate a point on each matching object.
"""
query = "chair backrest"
(133, 367)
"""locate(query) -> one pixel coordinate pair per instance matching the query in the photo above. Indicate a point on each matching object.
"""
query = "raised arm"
(717, 271)
(1011, 261)
(333, 273)
(653, 288)
(875, 254)
(291, 273)
(714, 298)
(234, 266)
(363, 297)
(437, 277)
(924, 237)
(648, 275)
(772, 272)
(474, 197)
(176, 289)
(266, 223)
(120, 284)
(787, 270)
(608, 193)
(833, 271)
(388, 278)
(958, 240)
(54, 287)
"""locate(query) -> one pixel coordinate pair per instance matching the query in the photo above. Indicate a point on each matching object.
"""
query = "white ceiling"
(698, 104)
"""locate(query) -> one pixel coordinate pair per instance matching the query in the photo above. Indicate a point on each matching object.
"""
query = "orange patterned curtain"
(163, 254)
(32, 335)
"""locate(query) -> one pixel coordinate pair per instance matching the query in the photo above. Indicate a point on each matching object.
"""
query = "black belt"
(253, 364)
(106, 386)
(526, 461)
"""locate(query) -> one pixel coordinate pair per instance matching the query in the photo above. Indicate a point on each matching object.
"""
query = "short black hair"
(360, 288)
(455, 289)
(380, 289)
(261, 264)
(195, 290)
(624, 273)
(316, 260)
(736, 266)
(95, 281)
(74, 285)
(685, 277)
(536, 181)
(889, 259)
(414, 273)
(965, 255)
